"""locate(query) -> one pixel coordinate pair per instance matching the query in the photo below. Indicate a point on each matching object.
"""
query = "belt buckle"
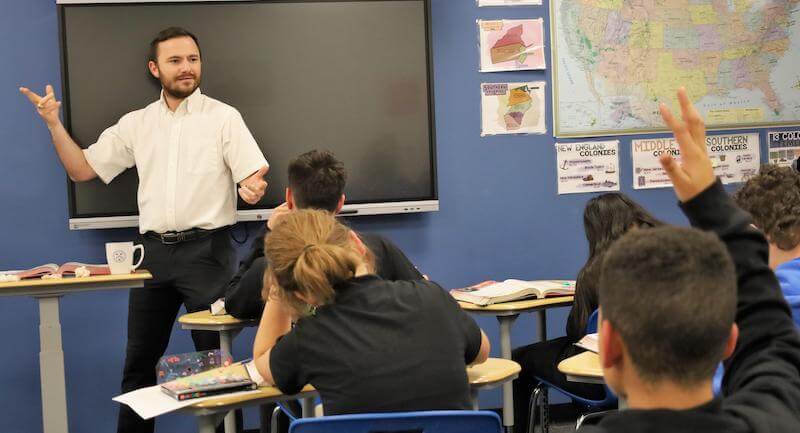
(170, 239)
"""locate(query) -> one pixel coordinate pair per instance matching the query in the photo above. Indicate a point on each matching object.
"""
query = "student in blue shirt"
(773, 199)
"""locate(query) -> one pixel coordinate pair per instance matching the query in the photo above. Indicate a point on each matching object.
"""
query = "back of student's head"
(308, 253)
(317, 180)
(773, 199)
(607, 217)
(670, 292)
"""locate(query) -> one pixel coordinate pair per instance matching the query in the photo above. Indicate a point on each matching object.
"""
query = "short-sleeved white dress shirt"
(189, 161)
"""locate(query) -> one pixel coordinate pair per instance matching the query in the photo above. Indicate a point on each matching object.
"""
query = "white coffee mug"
(120, 257)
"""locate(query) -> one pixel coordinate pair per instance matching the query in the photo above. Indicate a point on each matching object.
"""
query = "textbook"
(220, 380)
(492, 292)
(52, 270)
(589, 342)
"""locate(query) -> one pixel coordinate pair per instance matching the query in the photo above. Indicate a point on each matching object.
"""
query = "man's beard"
(174, 90)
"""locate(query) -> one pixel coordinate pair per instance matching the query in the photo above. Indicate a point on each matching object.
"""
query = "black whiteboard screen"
(353, 77)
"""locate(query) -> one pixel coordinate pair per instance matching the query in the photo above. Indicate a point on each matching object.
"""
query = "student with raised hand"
(773, 199)
(366, 344)
(606, 218)
(316, 181)
(674, 302)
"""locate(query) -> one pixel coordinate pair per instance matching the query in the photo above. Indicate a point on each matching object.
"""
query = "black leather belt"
(172, 238)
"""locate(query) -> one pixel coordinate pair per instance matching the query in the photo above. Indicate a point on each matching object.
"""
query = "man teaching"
(190, 150)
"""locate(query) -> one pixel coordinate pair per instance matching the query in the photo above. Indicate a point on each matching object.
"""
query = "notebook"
(589, 342)
(220, 380)
(492, 292)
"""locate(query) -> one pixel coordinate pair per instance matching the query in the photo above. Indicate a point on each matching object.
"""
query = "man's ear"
(730, 345)
(339, 205)
(289, 198)
(360, 247)
(153, 67)
(610, 345)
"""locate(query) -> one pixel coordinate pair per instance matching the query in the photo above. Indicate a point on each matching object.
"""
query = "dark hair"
(606, 218)
(773, 199)
(671, 294)
(317, 180)
(167, 34)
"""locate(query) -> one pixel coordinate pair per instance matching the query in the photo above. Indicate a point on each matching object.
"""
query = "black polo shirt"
(381, 346)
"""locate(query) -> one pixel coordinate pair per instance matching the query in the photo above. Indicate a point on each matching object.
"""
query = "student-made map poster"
(735, 158)
(784, 147)
(511, 45)
(615, 60)
(482, 3)
(512, 108)
(587, 167)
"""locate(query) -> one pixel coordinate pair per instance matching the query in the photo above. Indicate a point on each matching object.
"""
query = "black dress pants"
(541, 360)
(193, 273)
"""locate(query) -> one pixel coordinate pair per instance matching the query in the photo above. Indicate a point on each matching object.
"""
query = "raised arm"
(70, 154)
(767, 356)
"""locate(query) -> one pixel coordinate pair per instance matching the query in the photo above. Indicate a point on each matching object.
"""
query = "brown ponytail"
(308, 252)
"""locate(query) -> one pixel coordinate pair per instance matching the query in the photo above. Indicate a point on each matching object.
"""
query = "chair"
(444, 421)
(539, 396)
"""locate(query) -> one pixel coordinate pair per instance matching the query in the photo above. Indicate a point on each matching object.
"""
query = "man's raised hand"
(252, 189)
(694, 174)
(46, 106)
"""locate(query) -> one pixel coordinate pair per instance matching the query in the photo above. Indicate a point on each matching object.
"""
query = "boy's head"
(773, 199)
(668, 303)
(316, 181)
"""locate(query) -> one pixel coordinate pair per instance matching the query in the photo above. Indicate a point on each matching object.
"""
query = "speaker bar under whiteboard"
(264, 214)
(90, 2)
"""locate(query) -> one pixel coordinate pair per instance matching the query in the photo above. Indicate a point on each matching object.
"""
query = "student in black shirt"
(316, 181)
(366, 344)
(675, 301)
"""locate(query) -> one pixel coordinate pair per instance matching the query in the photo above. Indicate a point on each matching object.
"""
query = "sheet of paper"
(511, 45)
(735, 158)
(512, 108)
(482, 3)
(784, 147)
(590, 166)
(150, 402)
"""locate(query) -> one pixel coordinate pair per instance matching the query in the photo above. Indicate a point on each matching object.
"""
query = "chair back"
(591, 324)
(444, 421)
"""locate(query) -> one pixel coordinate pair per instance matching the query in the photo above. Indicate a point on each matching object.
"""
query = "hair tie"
(308, 247)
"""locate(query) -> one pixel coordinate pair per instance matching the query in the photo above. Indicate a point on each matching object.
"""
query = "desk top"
(206, 318)
(586, 364)
(518, 306)
(38, 286)
(492, 372)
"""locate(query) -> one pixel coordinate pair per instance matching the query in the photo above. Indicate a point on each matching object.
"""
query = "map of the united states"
(614, 61)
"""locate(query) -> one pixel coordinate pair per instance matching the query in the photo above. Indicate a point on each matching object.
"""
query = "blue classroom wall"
(500, 215)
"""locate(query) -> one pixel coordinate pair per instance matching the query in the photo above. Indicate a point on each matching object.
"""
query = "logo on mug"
(120, 256)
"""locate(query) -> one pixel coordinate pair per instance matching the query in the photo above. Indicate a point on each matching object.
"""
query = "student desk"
(51, 355)
(507, 313)
(494, 372)
(228, 327)
(583, 367)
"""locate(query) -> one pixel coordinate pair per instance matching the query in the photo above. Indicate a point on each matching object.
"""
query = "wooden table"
(51, 355)
(506, 313)
(583, 367)
(492, 373)
(228, 327)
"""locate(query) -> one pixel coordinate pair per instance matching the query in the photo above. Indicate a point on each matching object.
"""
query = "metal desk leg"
(225, 343)
(308, 407)
(207, 423)
(473, 397)
(542, 330)
(51, 367)
(508, 389)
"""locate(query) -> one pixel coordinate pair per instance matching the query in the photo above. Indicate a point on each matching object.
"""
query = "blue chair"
(443, 421)
(539, 396)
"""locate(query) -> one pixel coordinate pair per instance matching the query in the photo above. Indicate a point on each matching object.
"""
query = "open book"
(492, 292)
(220, 380)
(589, 342)
(52, 270)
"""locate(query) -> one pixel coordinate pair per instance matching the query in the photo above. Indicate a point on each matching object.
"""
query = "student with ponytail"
(366, 344)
